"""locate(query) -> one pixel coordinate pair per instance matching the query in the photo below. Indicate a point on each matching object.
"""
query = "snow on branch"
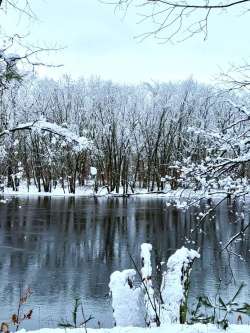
(228, 163)
(240, 108)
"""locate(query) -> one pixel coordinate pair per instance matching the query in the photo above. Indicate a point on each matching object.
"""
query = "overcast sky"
(99, 42)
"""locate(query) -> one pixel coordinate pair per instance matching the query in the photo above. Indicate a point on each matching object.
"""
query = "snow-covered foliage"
(175, 281)
(127, 300)
(140, 304)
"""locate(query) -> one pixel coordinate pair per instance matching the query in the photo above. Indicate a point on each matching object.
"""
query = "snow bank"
(174, 328)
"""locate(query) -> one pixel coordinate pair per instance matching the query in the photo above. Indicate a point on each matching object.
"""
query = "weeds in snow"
(20, 316)
(219, 310)
(77, 312)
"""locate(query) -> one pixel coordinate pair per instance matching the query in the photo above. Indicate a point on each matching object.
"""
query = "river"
(64, 248)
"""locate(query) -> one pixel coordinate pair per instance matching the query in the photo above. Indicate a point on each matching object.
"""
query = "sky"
(97, 41)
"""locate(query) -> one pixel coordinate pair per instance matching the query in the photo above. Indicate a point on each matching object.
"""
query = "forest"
(150, 136)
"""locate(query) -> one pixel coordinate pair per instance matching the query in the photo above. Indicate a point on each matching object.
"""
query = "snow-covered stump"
(127, 301)
(175, 285)
(151, 303)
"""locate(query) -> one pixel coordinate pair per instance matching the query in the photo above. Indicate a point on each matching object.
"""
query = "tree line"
(141, 136)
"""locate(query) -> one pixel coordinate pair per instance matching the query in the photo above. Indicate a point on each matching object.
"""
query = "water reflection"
(66, 247)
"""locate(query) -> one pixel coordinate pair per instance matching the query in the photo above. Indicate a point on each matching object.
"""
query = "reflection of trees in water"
(65, 245)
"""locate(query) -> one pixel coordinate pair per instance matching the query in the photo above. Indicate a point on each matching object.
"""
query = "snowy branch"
(40, 125)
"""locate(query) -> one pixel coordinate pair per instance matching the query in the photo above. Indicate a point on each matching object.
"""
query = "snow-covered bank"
(88, 191)
(32, 190)
(173, 328)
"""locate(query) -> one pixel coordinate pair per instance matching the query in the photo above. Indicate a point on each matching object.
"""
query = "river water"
(64, 248)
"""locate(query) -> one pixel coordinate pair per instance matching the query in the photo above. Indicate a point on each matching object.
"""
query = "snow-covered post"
(151, 304)
(127, 301)
(175, 284)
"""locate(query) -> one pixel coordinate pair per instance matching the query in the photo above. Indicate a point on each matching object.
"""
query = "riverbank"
(173, 328)
(88, 191)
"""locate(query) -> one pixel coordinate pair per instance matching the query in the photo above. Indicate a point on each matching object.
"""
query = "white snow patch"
(93, 171)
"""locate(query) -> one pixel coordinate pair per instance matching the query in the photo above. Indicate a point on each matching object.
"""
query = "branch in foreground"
(173, 18)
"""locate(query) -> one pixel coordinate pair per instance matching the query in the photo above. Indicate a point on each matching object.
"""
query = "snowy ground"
(174, 328)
